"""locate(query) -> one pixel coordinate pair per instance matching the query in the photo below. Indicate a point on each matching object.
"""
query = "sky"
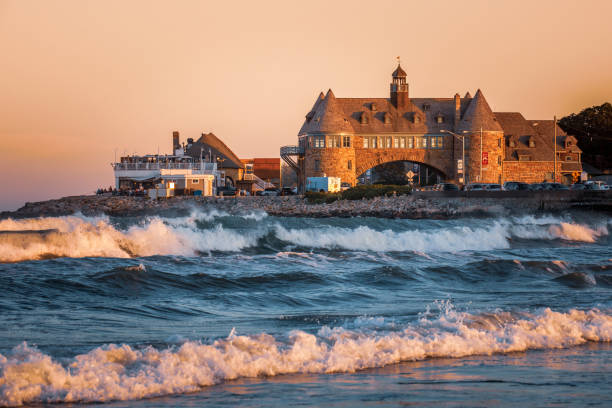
(81, 81)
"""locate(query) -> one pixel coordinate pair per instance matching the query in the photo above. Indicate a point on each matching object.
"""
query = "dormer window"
(373, 106)
(439, 118)
(387, 118)
(531, 142)
(511, 142)
(416, 118)
(363, 118)
(426, 106)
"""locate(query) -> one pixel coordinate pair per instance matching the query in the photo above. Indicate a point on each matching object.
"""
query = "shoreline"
(419, 205)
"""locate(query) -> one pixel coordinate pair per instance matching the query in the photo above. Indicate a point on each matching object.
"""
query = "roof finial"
(398, 60)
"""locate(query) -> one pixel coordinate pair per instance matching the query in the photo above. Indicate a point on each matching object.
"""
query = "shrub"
(374, 190)
(320, 197)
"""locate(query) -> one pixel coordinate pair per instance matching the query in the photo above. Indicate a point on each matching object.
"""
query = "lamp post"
(462, 138)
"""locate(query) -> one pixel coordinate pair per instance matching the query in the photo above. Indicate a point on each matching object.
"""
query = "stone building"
(344, 137)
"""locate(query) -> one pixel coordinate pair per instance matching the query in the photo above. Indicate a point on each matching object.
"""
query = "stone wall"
(530, 171)
(492, 144)
(333, 162)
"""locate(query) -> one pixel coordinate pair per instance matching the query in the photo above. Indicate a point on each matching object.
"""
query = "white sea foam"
(79, 236)
(121, 372)
(75, 236)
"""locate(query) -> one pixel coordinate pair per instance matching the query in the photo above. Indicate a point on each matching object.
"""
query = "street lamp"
(462, 138)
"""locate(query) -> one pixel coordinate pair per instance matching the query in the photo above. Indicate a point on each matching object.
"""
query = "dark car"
(515, 186)
(287, 191)
(226, 191)
(536, 186)
(578, 186)
(270, 191)
(447, 187)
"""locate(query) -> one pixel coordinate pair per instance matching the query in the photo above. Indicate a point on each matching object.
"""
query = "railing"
(259, 183)
(159, 166)
(291, 150)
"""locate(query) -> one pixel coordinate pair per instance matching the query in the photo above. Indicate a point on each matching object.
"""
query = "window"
(195, 181)
(531, 142)
(346, 141)
(426, 106)
(410, 142)
(421, 142)
(402, 142)
(366, 143)
(364, 118)
(499, 159)
(373, 106)
(436, 142)
(568, 158)
(387, 118)
(388, 145)
(349, 164)
(319, 141)
(396, 142)
(333, 141)
(417, 118)
(317, 165)
(499, 142)
(439, 118)
(373, 142)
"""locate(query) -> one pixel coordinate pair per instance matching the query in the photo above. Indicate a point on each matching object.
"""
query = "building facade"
(460, 137)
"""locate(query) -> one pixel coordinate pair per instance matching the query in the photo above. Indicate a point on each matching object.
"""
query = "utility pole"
(480, 155)
(555, 149)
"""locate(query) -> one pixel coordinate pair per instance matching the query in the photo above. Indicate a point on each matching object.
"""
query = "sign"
(410, 174)
(485, 158)
(459, 166)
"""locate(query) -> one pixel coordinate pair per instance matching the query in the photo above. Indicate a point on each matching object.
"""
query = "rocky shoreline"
(434, 205)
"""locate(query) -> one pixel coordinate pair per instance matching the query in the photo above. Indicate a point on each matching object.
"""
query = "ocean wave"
(205, 232)
(77, 236)
(122, 372)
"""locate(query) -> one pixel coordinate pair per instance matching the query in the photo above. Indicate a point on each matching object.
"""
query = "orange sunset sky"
(81, 79)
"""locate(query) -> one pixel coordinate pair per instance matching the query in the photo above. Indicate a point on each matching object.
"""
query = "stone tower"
(484, 141)
(399, 89)
(329, 146)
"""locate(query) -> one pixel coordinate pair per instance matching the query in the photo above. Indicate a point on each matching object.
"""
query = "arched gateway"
(460, 137)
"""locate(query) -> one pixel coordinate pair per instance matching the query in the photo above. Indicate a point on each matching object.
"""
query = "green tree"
(593, 129)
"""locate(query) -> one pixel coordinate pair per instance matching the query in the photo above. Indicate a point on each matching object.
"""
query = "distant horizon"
(85, 80)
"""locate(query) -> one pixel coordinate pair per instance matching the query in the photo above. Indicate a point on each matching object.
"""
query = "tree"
(593, 129)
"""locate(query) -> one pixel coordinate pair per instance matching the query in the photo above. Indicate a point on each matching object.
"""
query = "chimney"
(457, 110)
(175, 142)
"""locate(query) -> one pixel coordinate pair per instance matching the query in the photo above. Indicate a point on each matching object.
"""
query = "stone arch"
(436, 159)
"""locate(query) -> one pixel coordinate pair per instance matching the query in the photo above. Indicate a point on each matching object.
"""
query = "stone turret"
(484, 151)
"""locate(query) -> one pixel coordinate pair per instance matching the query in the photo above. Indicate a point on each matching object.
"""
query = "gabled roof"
(479, 115)
(541, 132)
(217, 148)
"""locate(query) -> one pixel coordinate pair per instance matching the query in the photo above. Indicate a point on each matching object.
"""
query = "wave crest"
(121, 372)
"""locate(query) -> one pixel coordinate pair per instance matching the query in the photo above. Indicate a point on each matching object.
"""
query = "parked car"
(555, 186)
(287, 191)
(515, 186)
(536, 186)
(447, 187)
(596, 185)
(345, 186)
(270, 191)
(474, 187)
(226, 191)
(578, 186)
(492, 187)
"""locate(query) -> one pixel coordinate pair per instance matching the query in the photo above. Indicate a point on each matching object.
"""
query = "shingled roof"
(217, 148)
(521, 131)
(479, 116)
(332, 115)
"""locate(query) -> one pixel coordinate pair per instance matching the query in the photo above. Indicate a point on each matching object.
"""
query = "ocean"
(213, 309)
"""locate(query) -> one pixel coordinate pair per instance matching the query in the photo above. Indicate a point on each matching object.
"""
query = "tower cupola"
(399, 88)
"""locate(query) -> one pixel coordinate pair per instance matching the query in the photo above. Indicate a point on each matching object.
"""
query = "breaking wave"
(79, 236)
(122, 372)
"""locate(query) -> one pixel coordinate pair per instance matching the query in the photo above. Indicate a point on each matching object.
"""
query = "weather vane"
(398, 60)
